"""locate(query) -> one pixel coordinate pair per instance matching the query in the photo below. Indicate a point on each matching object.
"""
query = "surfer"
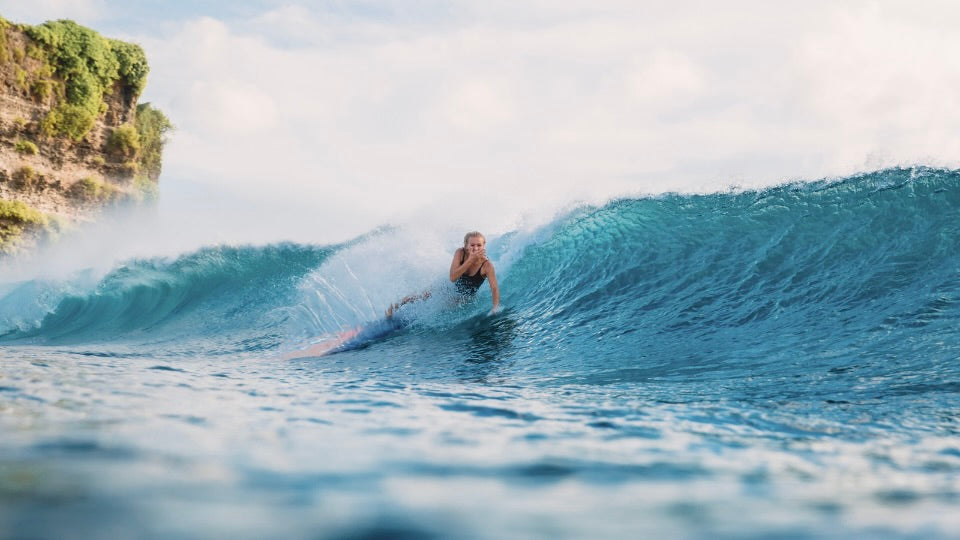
(469, 268)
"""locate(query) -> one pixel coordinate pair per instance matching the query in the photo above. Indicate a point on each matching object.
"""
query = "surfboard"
(347, 340)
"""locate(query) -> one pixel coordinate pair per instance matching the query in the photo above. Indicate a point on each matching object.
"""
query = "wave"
(828, 271)
(829, 268)
(208, 294)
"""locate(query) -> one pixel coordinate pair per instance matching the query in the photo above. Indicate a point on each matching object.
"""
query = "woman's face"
(475, 244)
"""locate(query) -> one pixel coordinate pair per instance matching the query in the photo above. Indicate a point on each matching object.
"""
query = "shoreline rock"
(73, 140)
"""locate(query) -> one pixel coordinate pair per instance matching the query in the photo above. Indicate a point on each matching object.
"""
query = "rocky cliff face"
(73, 140)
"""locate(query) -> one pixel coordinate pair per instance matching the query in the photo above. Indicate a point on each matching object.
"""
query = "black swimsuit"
(469, 285)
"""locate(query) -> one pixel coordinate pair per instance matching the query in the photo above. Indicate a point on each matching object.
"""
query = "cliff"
(73, 140)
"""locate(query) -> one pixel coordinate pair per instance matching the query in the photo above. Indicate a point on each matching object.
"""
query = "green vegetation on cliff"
(142, 146)
(74, 140)
(4, 53)
(124, 141)
(79, 66)
(89, 65)
(91, 190)
(25, 147)
(15, 218)
(152, 127)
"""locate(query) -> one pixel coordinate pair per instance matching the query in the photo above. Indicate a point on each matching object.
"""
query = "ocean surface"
(782, 363)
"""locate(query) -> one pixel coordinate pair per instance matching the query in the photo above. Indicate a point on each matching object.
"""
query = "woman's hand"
(479, 255)
(460, 265)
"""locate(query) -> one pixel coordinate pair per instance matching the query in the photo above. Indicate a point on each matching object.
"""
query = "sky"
(335, 117)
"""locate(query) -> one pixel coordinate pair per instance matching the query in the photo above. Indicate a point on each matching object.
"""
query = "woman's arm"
(494, 286)
(456, 268)
(406, 300)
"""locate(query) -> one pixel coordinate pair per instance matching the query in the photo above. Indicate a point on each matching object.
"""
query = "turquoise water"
(781, 363)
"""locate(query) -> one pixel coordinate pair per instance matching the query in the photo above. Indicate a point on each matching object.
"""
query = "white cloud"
(38, 11)
(531, 103)
(665, 77)
(475, 106)
(230, 109)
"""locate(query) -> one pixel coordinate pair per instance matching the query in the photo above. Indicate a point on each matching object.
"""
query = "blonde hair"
(471, 234)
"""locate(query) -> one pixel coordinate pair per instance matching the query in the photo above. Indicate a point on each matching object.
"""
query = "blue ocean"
(779, 363)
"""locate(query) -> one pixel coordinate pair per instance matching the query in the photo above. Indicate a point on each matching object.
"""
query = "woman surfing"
(469, 268)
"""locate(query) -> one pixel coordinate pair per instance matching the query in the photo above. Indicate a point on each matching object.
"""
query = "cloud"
(524, 104)
(227, 108)
(665, 77)
(38, 11)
